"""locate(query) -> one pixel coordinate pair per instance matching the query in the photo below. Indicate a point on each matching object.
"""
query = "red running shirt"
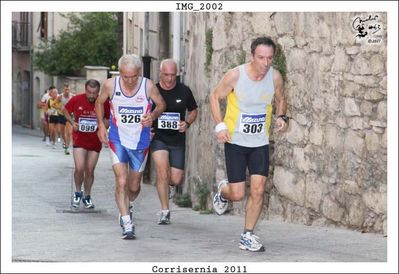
(85, 115)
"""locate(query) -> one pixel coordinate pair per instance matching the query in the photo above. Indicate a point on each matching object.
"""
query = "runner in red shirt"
(86, 145)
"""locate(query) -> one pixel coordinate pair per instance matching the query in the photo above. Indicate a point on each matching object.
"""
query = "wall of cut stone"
(330, 167)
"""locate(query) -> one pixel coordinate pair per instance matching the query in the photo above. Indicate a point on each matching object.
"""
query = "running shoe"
(88, 202)
(164, 219)
(130, 214)
(250, 241)
(128, 231)
(66, 151)
(219, 205)
(77, 196)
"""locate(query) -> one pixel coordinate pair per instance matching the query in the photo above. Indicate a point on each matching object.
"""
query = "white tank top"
(249, 110)
(126, 115)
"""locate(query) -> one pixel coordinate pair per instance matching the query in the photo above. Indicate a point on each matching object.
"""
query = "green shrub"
(279, 62)
(202, 193)
(183, 200)
(208, 49)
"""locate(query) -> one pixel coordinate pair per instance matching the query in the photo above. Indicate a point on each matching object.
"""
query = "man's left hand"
(281, 125)
(183, 126)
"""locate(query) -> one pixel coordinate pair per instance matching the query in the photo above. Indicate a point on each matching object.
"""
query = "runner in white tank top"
(129, 138)
(245, 132)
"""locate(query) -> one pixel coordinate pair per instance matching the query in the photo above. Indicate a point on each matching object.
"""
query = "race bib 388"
(169, 120)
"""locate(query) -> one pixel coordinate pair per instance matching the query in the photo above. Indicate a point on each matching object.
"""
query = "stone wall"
(330, 167)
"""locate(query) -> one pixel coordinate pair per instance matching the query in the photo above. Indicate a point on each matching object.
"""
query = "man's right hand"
(223, 136)
(75, 126)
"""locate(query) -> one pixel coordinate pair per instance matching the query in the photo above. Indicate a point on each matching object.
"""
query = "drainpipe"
(125, 32)
(176, 41)
(183, 49)
(31, 99)
(146, 57)
(147, 74)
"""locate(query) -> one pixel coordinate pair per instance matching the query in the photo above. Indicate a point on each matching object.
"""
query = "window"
(43, 25)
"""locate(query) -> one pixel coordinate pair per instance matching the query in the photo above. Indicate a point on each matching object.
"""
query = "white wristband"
(219, 127)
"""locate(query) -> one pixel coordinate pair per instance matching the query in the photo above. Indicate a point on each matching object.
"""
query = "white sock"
(126, 219)
(165, 211)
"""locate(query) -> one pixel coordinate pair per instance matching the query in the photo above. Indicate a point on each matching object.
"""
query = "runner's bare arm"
(155, 96)
(191, 116)
(105, 93)
(280, 100)
(68, 117)
(222, 90)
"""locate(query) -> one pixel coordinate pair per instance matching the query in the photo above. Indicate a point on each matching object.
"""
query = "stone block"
(373, 95)
(316, 134)
(332, 210)
(382, 111)
(352, 50)
(314, 192)
(289, 185)
(275, 206)
(295, 133)
(333, 136)
(356, 123)
(353, 142)
(356, 212)
(351, 187)
(377, 64)
(366, 108)
(376, 201)
(341, 60)
(373, 141)
(361, 66)
(296, 59)
(300, 160)
(340, 121)
(284, 22)
(350, 107)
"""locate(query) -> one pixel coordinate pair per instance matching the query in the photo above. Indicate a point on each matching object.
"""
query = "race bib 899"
(169, 120)
(252, 123)
(87, 124)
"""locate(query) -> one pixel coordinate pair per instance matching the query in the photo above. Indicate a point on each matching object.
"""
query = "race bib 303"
(252, 123)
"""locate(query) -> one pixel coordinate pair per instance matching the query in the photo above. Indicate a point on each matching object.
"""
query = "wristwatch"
(284, 117)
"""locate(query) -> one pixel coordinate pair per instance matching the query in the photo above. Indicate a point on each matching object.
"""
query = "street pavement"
(44, 229)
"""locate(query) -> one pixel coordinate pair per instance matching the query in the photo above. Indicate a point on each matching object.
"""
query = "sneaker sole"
(243, 247)
(164, 223)
(215, 208)
(129, 236)
(89, 207)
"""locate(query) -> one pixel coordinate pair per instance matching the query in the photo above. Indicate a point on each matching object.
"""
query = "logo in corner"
(140, 98)
(368, 29)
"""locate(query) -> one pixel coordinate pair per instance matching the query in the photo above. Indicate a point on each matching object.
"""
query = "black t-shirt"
(178, 100)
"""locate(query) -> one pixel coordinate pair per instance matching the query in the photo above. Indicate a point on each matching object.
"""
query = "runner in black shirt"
(168, 143)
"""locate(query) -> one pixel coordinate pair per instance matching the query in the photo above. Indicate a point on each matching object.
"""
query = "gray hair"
(130, 60)
(169, 60)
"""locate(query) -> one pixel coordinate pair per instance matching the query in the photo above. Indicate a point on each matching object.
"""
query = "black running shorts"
(238, 158)
(53, 119)
(176, 153)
